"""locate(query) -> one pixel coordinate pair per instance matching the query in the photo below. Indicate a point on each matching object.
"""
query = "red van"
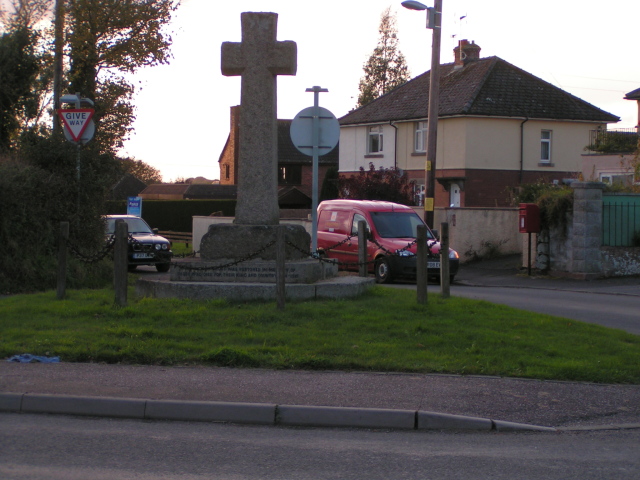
(392, 230)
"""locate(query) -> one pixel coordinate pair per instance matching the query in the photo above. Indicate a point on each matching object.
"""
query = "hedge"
(175, 215)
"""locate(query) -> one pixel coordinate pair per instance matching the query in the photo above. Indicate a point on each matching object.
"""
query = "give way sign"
(77, 123)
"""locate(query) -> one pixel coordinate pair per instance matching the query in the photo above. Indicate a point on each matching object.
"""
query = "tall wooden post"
(280, 267)
(120, 263)
(421, 265)
(444, 261)
(362, 249)
(62, 259)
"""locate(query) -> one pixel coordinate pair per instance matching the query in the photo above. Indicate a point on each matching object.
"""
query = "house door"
(454, 195)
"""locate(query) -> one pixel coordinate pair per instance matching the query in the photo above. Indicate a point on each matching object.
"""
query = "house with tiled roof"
(294, 168)
(498, 127)
(610, 156)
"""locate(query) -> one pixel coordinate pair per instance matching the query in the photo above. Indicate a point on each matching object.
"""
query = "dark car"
(146, 247)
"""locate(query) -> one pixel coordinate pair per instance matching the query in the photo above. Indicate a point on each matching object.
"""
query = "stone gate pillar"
(587, 229)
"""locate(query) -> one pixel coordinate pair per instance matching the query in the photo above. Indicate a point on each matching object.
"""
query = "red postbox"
(529, 218)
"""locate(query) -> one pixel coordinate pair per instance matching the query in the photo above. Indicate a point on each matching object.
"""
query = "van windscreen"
(398, 225)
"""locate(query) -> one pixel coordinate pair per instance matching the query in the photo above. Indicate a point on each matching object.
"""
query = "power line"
(605, 79)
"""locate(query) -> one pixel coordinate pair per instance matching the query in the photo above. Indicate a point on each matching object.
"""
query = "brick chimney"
(465, 52)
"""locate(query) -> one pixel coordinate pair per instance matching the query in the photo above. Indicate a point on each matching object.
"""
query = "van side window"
(333, 221)
(354, 226)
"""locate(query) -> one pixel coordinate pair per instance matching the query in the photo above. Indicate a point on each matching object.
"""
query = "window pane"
(375, 140)
(544, 151)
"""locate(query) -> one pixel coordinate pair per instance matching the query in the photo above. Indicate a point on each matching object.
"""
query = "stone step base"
(338, 287)
(253, 271)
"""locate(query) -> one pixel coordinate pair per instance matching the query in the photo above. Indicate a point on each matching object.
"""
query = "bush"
(555, 202)
(33, 202)
(390, 184)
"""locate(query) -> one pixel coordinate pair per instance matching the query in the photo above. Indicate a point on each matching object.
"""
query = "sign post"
(315, 131)
(78, 125)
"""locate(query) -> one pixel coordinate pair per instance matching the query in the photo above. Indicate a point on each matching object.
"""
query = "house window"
(420, 144)
(374, 141)
(289, 174)
(617, 180)
(545, 146)
(227, 172)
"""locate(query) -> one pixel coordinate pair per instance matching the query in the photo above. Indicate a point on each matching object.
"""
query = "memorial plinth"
(238, 261)
(233, 241)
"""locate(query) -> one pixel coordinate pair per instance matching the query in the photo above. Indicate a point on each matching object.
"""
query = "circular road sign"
(301, 131)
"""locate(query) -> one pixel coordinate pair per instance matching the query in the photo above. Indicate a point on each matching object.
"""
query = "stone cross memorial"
(258, 59)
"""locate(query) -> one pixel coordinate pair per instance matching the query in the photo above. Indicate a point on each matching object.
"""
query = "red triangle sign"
(76, 120)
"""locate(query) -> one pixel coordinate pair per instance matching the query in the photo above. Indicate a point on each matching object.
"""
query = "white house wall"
(353, 148)
(472, 143)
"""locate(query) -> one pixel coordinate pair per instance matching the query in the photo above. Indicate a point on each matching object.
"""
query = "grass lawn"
(383, 330)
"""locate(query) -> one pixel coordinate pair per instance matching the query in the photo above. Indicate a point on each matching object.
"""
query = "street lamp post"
(434, 21)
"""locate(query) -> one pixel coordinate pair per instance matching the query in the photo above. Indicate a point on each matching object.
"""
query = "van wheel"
(383, 270)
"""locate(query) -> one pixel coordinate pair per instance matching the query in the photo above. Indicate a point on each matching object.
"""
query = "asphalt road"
(614, 311)
(57, 447)
(609, 310)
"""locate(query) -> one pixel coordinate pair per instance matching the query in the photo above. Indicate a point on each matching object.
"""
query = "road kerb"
(253, 413)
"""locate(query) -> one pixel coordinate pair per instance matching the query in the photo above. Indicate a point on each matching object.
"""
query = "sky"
(586, 47)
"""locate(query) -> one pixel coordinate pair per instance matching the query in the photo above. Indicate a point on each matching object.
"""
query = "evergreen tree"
(386, 68)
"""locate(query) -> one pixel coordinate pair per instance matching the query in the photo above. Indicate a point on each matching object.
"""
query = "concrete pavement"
(333, 399)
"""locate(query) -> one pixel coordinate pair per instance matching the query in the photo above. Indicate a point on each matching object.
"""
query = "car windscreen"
(134, 225)
(398, 224)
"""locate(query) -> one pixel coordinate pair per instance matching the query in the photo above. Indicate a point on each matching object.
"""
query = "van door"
(353, 247)
(334, 228)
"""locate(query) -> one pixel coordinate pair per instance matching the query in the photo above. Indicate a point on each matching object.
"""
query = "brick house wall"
(229, 157)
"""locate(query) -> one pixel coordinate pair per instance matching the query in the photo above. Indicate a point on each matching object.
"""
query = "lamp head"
(413, 5)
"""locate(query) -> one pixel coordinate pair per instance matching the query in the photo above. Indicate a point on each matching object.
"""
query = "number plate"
(143, 255)
(433, 264)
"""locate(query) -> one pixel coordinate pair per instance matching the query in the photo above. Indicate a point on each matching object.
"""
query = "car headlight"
(158, 246)
(165, 246)
(404, 253)
(453, 254)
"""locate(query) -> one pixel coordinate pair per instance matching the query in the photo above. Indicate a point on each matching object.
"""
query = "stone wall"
(578, 251)
(478, 232)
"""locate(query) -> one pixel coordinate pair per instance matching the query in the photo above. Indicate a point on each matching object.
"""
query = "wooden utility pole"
(57, 61)
(432, 120)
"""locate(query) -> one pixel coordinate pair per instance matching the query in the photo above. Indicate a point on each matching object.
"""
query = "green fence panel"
(621, 220)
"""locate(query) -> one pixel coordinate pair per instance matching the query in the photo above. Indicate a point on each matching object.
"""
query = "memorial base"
(252, 271)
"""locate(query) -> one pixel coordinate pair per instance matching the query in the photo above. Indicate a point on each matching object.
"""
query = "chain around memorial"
(227, 265)
(93, 257)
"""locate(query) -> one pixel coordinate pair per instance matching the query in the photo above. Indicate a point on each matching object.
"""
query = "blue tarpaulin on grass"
(28, 358)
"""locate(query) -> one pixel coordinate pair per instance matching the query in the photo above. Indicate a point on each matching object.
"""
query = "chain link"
(227, 265)
(306, 253)
(93, 257)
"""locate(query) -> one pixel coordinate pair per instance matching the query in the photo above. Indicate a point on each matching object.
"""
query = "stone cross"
(259, 58)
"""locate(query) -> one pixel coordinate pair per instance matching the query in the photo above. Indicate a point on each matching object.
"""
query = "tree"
(329, 189)
(141, 170)
(22, 68)
(390, 184)
(109, 38)
(386, 68)
(18, 68)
